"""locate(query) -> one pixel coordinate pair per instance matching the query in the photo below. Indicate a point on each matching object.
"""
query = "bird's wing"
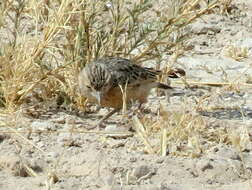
(123, 71)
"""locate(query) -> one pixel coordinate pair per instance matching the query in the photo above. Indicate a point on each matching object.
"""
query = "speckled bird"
(100, 82)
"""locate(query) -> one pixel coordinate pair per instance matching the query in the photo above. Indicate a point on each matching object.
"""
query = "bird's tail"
(163, 86)
(172, 73)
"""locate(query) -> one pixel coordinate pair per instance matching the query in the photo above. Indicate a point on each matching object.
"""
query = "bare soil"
(55, 158)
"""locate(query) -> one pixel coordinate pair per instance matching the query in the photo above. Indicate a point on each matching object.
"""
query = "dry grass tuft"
(186, 134)
(236, 53)
(45, 43)
(225, 6)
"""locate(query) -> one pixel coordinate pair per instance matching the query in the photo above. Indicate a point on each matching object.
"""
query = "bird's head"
(94, 82)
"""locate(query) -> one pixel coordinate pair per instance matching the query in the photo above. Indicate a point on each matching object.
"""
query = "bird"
(103, 80)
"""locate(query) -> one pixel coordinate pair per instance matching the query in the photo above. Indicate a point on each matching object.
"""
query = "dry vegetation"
(46, 43)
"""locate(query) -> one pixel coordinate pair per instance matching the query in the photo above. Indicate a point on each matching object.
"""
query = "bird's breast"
(114, 97)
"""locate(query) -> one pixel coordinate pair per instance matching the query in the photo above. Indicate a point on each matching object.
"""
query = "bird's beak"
(98, 96)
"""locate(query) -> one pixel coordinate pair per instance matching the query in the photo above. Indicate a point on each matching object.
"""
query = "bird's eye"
(89, 87)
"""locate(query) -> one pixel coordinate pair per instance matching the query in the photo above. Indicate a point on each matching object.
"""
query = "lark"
(103, 81)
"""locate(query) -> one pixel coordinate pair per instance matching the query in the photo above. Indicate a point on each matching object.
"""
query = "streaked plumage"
(99, 81)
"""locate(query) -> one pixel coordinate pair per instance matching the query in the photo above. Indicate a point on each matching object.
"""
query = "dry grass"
(180, 133)
(40, 60)
(236, 53)
(46, 43)
(187, 134)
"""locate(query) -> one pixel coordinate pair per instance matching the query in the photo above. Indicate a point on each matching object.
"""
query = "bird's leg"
(108, 115)
(136, 110)
(104, 118)
(140, 107)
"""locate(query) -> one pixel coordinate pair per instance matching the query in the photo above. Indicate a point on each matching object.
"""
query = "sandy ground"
(58, 159)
